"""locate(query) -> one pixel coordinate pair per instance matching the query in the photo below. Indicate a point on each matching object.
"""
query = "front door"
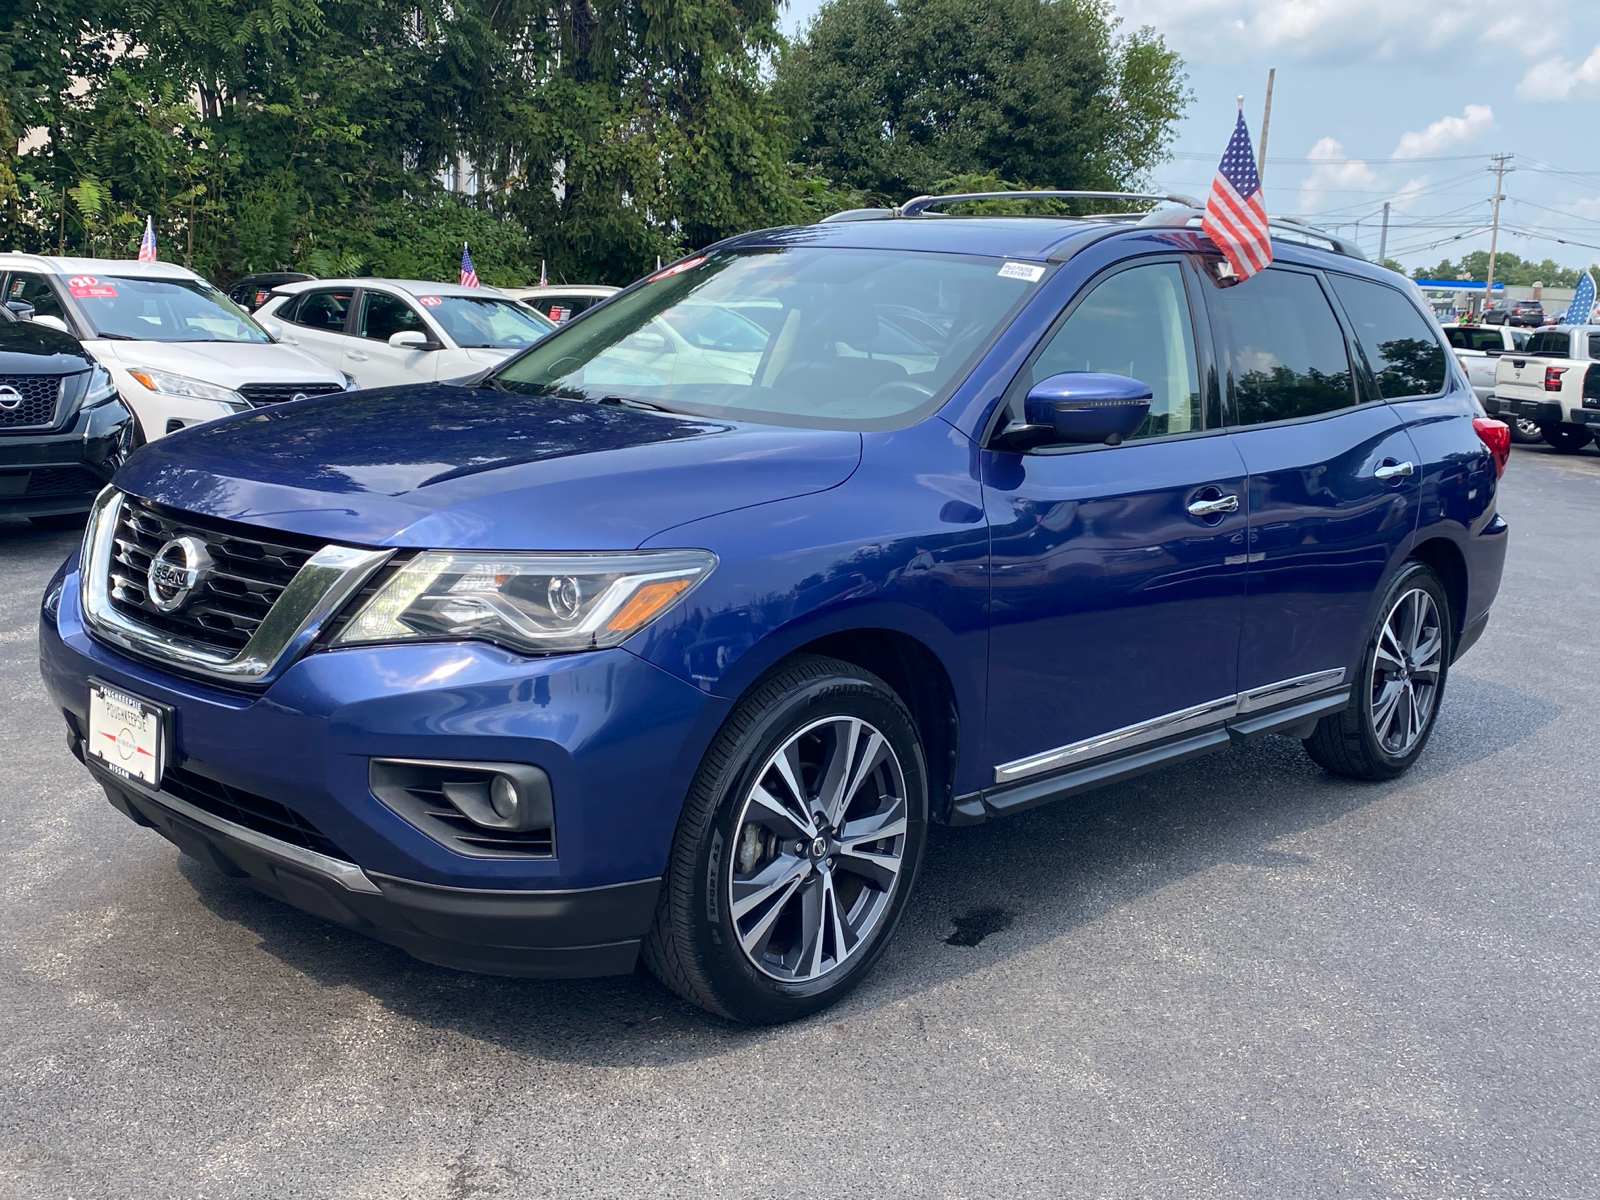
(1333, 481)
(369, 357)
(1117, 585)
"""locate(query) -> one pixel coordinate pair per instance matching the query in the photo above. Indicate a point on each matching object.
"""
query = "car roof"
(128, 268)
(412, 287)
(562, 289)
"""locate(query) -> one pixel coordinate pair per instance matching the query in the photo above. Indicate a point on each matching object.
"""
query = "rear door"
(317, 322)
(1333, 494)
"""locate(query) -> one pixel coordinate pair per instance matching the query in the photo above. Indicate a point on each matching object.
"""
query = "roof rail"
(917, 206)
(1302, 230)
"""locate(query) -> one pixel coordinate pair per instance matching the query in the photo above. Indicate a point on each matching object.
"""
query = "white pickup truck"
(1553, 383)
(1478, 348)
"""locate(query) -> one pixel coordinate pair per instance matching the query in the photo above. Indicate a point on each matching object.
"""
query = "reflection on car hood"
(229, 364)
(30, 349)
(475, 468)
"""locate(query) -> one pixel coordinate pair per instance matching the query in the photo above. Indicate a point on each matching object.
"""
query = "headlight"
(530, 603)
(100, 388)
(169, 384)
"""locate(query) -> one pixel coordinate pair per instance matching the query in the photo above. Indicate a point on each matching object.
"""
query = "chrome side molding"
(1187, 720)
(319, 589)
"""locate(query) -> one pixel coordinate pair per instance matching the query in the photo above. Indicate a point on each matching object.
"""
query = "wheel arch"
(1450, 565)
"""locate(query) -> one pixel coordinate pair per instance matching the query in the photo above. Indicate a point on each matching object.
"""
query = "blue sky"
(1399, 100)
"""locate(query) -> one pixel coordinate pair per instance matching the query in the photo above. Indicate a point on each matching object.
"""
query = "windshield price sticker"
(87, 285)
(1031, 272)
(429, 301)
(125, 734)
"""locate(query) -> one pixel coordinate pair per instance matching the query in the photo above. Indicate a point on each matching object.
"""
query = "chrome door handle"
(1210, 508)
(1394, 470)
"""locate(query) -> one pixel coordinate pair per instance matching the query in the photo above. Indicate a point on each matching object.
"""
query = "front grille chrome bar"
(319, 589)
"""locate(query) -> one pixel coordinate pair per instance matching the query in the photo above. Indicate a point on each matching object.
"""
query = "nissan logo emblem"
(177, 569)
(9, 397)
(297, 396)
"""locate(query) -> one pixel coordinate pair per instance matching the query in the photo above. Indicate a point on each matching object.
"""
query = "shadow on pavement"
(985, 894)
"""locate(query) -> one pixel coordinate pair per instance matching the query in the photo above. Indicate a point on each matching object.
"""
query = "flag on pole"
(469, 277)
(1582, 307)
(147, 244)
(544, 280)
(1236, 212)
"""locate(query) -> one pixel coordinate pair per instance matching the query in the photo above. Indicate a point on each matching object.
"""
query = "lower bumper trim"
(566, 934)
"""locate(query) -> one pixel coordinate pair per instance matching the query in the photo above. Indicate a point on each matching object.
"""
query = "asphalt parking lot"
(1239, 977)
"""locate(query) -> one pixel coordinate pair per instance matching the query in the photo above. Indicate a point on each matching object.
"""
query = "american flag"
(147, 244)
(544, 280)
(1236, 214)
(469, 277)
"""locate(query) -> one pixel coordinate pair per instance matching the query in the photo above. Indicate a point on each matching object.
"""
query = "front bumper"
(619, 738)
(50, 474)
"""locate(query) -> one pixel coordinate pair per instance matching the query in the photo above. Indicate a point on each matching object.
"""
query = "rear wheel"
(798, 845)
(1566, 438)
(1525, 432)
(1395, 701)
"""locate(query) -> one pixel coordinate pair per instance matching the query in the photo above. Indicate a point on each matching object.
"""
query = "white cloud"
(1410, 192)
(1332, 172)
(1475, 120)
(1350, 29)
(1561, 79)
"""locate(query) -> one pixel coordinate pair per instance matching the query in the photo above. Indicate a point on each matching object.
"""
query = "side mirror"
(52, 322)
(22, 309)
(1083, 407)
(412, 339)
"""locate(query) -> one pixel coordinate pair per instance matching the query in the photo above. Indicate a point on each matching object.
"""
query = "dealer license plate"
(127, 734)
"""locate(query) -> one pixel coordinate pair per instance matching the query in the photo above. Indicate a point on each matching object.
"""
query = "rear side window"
(1400, 346)
(1594, 345)
(1551, 343)
(1283, 348)
(323, 309)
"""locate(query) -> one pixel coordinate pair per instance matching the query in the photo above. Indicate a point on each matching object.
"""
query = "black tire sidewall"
(746, 992)
(1415, 575)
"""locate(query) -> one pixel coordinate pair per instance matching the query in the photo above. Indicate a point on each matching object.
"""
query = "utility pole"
(1499, 169)
(1266, 120)
(1383, 238)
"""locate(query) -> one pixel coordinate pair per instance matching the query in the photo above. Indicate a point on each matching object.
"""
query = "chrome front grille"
(227, 609)
(254, 608)
(29, 401)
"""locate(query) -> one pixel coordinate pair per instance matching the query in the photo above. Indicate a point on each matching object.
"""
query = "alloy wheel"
(1405, 672)
(819, 847)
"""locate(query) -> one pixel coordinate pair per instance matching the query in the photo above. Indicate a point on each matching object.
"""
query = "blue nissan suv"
(671, 635)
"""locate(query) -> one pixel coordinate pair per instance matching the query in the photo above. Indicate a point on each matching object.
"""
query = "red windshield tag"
(83, 286)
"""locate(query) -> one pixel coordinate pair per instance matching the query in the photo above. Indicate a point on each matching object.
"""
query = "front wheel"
(1566, 438)
(1395, 701)
(798, 845)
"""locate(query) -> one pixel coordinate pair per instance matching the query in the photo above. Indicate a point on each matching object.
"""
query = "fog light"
(478, 806)
(503, 796)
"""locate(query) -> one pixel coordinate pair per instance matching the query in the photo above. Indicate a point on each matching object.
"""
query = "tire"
(1367, 739)
(758, 899)
(1524, 432)
(1565, 438)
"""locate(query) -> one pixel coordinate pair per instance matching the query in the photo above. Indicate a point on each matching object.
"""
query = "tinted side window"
(383, 316)
(1400, 346)
(35, 290)
(1284, 349)
(1519, 339)
(1464, 337)
(1551, 343)
(324, 310)
(1135, 323)
(1594, 345)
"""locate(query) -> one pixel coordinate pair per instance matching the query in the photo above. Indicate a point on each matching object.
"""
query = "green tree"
(892, 97)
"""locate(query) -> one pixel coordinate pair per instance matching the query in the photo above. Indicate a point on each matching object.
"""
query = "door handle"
(1394, 470)
(1211, 508)
(358, 356)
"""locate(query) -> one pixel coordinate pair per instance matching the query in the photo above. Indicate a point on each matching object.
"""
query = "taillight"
(1497, 436)
(1552, 378)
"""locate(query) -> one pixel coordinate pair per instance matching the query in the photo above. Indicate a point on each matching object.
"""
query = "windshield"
(161, 310)
(499, 324)
(825, 338)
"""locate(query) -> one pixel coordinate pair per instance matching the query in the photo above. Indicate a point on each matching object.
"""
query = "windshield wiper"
(118, 337)
(634, 402)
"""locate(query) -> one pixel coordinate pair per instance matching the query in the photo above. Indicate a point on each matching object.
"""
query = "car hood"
(229, 364)
(475, 468)
(30, 349)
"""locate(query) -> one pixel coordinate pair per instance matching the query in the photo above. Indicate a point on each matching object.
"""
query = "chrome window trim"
(318, 590)
(1200, 716)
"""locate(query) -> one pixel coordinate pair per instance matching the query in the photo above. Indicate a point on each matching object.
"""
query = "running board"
(1297, 720)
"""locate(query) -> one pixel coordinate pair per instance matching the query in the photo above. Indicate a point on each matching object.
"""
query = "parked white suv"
(1478, 349)
(392, 331)
(1548, 382)
(179, 351)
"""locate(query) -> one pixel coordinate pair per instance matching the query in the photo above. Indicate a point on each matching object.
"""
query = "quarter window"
(1400, 346)
(324, 310)
(383, 316)
(1283, 348)
(1135, 323)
